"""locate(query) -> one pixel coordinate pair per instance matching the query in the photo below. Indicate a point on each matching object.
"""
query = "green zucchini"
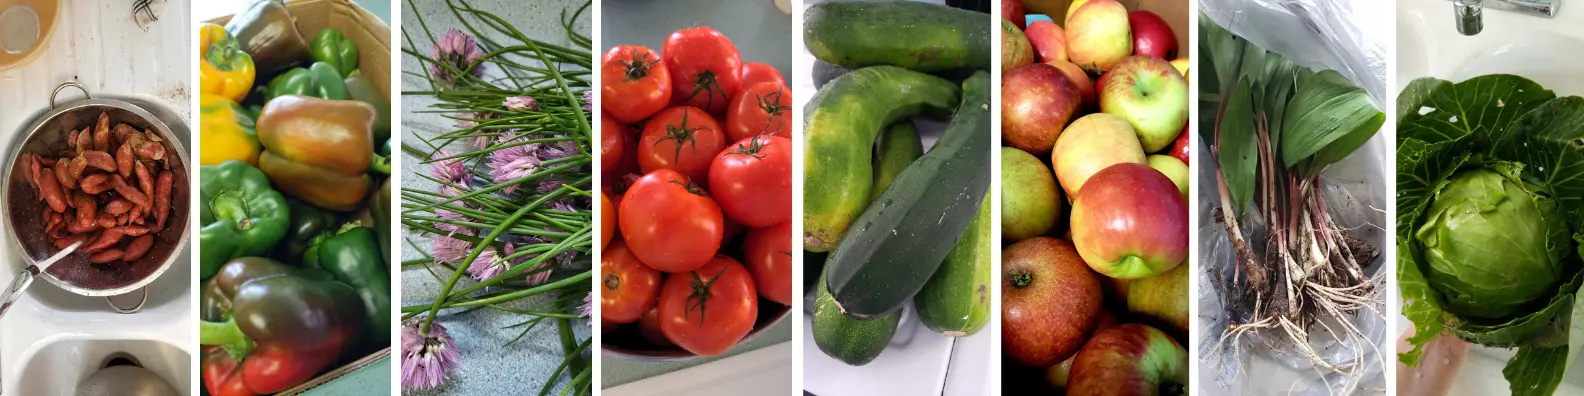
(840, 125)
(900, 240)
(852, 341)
(899, 146)
(956, 300)
(914, 35)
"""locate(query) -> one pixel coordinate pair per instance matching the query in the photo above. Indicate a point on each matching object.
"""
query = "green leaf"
(1538, 371)
(1483, 107)
(1555, 150)
(1238, 151)
(1329, 117)
(1421, 304)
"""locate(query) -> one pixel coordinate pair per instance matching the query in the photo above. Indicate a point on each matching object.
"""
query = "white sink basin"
(1547, 51)
(58, 364)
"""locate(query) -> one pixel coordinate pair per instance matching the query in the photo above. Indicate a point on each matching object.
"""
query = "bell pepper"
(223, 68)
(318, 150)
(240, 215)
(226, 132)
(353, 257)
(319, 80)
(361, 88)
(379, 209)
(308, 222)
(275, 326)
(268, 33)
(330, 47)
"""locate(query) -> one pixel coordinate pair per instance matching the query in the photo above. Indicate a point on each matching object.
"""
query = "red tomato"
(649, 326)
(706, 71)
(616, 147)
(684, 139)
(752, 181)
(708, 310)
(732, 230)
(768, 253)
(756, 72)
(629, 286)
(634, 83)
(669, 222)
(607, 226)
(762, 108)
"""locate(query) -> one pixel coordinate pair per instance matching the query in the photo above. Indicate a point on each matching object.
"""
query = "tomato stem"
(707, 83)
(638, 66)
(753, 148)
(691, 187)
(771, 104)
(612, 282)
(679, 134)
(701, 293)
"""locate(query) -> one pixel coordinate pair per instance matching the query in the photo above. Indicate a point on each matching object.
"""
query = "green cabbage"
(1490, 194)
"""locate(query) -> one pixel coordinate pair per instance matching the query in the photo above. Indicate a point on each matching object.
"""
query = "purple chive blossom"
(471, 120)
(512, 163)
(588, 305)
(426, 360)
(446, 249)
(452, 171)
(521, 103)
(458, 50)
(588, 101)
(487, 265)
(538, 275)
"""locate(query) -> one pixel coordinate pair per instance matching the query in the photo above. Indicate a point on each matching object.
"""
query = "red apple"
(1092, 143)
(1012, 10)
(1179, 148)
(1037, 100)
(1098, 35)
(1057, 375)
(1151, 96)
(1049, 301)
(1049, 41)
(1086, 88)
(1151, 35)
(1131, 359)
(1130, 222)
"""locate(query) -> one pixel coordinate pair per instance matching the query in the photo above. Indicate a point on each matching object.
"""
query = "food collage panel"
(791, 197)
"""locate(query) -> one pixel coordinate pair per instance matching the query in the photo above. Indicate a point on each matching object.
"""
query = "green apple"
(1030, 202)
(1162, 300)
(1131, 359)
(1173, 168)
(1151, 95)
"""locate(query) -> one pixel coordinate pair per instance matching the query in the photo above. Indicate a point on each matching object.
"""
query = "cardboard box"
(373, 38)
(1177, 13)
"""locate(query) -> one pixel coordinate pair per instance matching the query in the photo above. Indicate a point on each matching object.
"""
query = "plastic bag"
(1317, 34)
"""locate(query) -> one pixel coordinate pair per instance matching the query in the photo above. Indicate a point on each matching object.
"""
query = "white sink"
(57, 364)
(1547, 51)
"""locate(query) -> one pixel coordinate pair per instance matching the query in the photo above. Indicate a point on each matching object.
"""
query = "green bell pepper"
(307, 223)
(319, 80)
(361, 88)
(240, 213)
(379, 209)
(331, 48)
(353, 257)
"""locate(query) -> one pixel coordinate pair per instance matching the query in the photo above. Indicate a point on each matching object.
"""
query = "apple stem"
(1022, 279)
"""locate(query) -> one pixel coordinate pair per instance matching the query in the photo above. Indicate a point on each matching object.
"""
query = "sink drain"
(120, 359)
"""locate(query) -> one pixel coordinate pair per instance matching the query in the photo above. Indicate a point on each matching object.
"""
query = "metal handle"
(18, 285)
(134, 308)
(63, 85)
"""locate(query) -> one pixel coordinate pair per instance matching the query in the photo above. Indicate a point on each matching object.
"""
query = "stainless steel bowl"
(46, 135)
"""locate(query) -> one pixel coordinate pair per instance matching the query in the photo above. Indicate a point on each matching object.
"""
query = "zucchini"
(956, 300)
(900, 240)
(899, 146)
(852, 341)
(914, 35)
(840, 125)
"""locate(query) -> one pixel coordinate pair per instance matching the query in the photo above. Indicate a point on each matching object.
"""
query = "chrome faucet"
(1469, 12)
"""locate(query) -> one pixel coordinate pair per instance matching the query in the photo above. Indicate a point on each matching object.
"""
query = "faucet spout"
(1470, 20)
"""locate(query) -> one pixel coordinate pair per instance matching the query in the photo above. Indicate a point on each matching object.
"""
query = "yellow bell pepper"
(226, 132)
(223, 67)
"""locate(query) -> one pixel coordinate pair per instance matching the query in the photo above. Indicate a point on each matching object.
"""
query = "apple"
(1179, 148)
(1072, 9)
(1098, 36)
(1162, 300)
(1151, 96)
(1049, 41)
(1079, 78)
(1037, 100)
(1151, 35)
(1175, 170)
(1130, 222)
(1131, 359)
(1015, 48)
(1092, 143)
(1030, 202)
(1057, 375)
(1012, 10)
(1182, 66)
(1049, 301)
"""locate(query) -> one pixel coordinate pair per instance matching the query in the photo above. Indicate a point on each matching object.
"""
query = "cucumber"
(914, 35)
(852, 341)
(900, 240)
(899, 146)
(840, 125)
(956, 300)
